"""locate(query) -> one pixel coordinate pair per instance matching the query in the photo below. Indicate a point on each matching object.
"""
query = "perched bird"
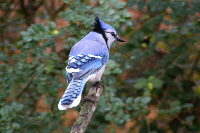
(87, 60)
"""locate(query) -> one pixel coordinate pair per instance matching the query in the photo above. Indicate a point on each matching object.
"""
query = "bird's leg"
(84, 91)
(89, 98)
(97, 83)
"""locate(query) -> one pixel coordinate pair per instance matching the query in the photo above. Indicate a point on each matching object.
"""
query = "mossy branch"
(88, 109)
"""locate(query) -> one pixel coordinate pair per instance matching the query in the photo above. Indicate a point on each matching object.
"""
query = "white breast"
(96, 76)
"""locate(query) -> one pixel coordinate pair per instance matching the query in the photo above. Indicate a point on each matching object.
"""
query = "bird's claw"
(97, 83)
(89, 98)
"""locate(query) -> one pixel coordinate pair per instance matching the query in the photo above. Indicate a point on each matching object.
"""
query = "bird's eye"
(113, 34)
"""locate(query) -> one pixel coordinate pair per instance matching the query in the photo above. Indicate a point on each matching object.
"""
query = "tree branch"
(21, 2)
(88, 109)
(24, 89)
(61, 8)
(46, 6)
(29, 10)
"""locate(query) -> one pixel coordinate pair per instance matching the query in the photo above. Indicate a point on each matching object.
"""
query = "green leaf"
(148, 26)
(183, 59)
(129, 64)
(52, 25)
(24, 33)
(180, 49)
(49, 42)
(119, 5)
(117, 71)
(175, 104)
(132, 3)
(112, 1)
(179, 8)
(82, 8)
(129, 23)
(3, 57)
(106, 72)
(157, 5)
(188, 105)
(145, 100)
(29, 45)
(157, 20)
(40, 27)
(31, 31)
(139, 35)
(141, 4)
(136, 107)
(35, 28)
(190, 118)
(147, 93)
(112, 64)
(66, 1)
(138, 99)
(109, 117)
(15, 125)
(110, 11)
(141, 83)
(157, 83)
(117, 101)
(104, 6)
(127, 14)
(129, 100)
(175, 71)
(101, 1)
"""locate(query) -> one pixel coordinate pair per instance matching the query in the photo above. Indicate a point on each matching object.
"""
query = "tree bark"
(30, 10)
(88, 109)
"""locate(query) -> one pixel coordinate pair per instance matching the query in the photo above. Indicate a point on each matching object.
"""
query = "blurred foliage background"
(152, 82)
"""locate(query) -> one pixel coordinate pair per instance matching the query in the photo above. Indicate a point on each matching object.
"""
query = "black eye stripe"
(112, 33)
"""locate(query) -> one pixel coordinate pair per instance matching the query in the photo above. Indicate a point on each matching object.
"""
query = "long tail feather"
(72, 95)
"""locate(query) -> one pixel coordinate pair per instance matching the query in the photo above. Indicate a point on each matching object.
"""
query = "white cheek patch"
(71, 70)
(109, 36)
(94, 56)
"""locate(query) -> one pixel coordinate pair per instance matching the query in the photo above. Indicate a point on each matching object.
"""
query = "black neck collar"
(103, 34)
(98, 29)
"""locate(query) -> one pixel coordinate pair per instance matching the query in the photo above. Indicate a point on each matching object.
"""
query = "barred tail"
(72, 95)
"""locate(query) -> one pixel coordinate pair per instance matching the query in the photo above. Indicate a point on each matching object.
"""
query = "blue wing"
(83, 65)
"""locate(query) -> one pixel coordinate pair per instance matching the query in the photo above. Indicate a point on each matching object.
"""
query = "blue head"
(107, 31)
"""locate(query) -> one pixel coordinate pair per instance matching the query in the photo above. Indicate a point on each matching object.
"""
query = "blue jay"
(87, 60)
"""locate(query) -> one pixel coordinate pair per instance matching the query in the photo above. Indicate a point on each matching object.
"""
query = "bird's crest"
(100, 25)
(97, 24)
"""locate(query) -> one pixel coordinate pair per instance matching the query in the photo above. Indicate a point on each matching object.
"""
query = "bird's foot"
(97, 83)
(89, 98)
(84, 91)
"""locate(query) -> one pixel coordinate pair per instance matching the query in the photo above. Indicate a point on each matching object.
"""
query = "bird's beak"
(119, 39)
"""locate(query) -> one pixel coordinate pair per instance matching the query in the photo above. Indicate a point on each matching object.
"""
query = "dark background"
(151, 81)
